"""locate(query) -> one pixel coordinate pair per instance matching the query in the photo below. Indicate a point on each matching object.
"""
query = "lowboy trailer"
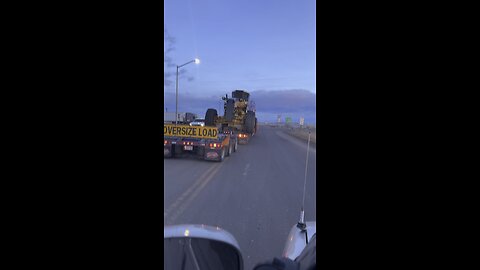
(207, 143)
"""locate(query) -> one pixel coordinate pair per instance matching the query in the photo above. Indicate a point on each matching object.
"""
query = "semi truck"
(208, 143)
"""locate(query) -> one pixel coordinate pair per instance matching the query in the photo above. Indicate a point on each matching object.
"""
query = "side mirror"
(200, 247)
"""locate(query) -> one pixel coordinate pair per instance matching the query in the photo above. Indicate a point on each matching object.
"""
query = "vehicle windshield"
(248, 164)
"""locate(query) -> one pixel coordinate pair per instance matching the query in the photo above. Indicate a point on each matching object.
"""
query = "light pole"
(196, 61)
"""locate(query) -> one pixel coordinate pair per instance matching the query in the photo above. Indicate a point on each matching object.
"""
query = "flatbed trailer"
(203, 142)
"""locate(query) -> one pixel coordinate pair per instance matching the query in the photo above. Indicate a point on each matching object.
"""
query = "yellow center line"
(181, 202)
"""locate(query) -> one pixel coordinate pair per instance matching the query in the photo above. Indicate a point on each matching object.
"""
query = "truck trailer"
(208, 143)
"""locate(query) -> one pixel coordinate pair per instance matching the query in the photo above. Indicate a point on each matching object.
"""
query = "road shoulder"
(302, 136)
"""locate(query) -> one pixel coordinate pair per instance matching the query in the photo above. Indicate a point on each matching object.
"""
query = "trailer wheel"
(250, 122)
(222, 155)
(230, 110)
(170, 152)
(229, 152)
(210, 117)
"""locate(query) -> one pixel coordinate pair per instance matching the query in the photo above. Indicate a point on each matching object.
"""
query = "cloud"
(294, 103)
(284, 101)
(190, 103)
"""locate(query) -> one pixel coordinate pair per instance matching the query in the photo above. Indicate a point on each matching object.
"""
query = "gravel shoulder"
(302, 134)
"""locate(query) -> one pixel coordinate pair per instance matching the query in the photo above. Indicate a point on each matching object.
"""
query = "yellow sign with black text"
(190, 131)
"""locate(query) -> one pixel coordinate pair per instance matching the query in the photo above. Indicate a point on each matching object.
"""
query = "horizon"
(270, 53)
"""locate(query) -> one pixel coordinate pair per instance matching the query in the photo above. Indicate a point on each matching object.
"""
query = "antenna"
(301, 223)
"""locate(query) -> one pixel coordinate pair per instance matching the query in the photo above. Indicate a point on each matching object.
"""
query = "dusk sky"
(266, 47)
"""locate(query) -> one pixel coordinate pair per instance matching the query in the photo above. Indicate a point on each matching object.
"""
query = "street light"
(196, 61)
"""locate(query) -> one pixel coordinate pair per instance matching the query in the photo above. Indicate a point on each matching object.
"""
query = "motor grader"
(238, 118)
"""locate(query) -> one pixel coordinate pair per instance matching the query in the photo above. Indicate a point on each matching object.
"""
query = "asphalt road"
(255, 194)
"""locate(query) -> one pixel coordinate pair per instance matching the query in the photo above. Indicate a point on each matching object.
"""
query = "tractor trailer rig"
(208, 143)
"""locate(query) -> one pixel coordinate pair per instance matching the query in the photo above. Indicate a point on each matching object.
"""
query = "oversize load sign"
(190, 131)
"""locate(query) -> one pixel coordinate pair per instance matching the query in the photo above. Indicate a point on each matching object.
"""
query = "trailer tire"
(230, 110)
(210, 117)
(170, 153)
(222, 155)
(230, 148)
(250, 122)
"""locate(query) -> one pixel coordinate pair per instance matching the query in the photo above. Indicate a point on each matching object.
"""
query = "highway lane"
(255, 194)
